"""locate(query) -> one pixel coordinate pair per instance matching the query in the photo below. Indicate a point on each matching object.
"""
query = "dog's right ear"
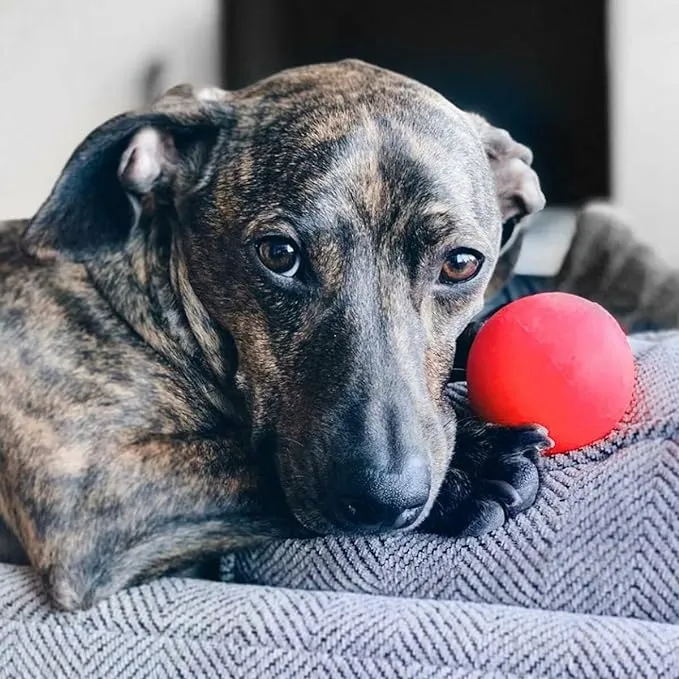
(516, 183)
(92, 206)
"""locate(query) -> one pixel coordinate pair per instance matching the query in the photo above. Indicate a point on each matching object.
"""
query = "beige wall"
(68, 65)
(645, 117)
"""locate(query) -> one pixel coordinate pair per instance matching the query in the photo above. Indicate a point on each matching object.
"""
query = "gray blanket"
(585, 584)
(192, 628)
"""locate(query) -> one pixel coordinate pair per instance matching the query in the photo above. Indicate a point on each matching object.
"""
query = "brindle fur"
(164, 398)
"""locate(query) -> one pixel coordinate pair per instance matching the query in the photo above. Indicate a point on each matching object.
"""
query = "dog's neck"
(147, 284)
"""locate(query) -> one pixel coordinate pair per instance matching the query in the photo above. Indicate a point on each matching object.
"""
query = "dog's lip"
(303, 505)
(317, 523)
(314, 519)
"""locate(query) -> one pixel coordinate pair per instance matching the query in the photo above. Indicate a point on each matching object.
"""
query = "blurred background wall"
(68, 65)
(596, 90)
(644, 67)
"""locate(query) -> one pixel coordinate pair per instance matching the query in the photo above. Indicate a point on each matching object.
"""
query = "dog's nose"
(369, 501)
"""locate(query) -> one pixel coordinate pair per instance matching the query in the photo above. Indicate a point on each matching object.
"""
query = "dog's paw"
(493, 477)
(508, 481)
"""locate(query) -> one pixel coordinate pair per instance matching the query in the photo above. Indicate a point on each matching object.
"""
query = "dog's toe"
(480, 516)
(522, 478)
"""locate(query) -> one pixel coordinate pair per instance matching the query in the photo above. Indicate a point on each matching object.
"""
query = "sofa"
(584, 584)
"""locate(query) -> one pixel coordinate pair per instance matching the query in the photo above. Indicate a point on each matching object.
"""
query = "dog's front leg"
(493, 474)
(143, 510)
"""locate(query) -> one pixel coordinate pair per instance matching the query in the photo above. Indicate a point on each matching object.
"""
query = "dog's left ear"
(159, 153)
(518, 187)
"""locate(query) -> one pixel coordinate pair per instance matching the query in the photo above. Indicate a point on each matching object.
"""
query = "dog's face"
(341, 223)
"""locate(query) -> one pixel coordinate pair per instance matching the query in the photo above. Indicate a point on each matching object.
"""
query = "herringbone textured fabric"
(583, 585)
(192, 628)
(602, 539)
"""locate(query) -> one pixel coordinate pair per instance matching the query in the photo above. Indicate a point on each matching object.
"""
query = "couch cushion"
(602, 538)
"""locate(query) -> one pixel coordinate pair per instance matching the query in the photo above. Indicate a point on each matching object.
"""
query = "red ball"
(552, 359)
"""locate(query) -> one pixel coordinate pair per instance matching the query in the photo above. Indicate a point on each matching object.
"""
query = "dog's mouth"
(282, 481)
(295, 483)
(326, 522)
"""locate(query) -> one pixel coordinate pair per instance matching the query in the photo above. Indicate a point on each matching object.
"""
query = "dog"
(234, 319)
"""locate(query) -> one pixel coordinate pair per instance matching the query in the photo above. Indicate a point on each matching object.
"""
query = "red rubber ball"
(552, 359)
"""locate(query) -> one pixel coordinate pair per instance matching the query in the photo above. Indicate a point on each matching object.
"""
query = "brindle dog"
(234, 319)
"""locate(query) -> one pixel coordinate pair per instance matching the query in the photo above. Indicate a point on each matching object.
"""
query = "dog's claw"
(504, 493)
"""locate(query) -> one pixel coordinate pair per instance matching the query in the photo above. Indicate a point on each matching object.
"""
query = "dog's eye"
(280, 255)
(461, 265)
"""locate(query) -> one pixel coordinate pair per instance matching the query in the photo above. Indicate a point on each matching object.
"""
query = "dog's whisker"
(287, 439)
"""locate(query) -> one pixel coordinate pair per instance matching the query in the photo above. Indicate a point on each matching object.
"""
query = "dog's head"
(341, 223)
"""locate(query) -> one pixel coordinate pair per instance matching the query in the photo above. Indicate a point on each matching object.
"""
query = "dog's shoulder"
(71, 365)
